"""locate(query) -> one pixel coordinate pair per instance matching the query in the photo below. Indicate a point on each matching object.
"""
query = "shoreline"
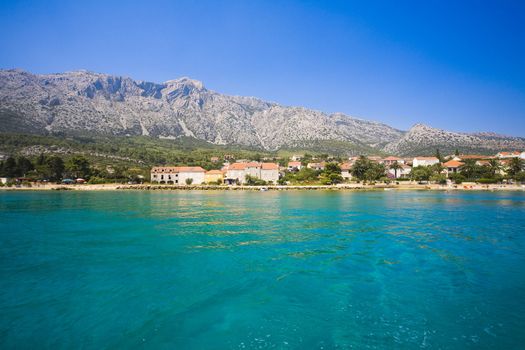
(340, 187)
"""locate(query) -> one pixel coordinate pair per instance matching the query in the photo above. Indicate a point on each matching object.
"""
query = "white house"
(424, 161)
(265, 171)
(316, 166)
(505, 155)
(294, 166)
(522, 155)
(297, 158)
(391, 160)
(346, 171)
(270, 172)
(452, 166)
(178, 175)
(401, 173)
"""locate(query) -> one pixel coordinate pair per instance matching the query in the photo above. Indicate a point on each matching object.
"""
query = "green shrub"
(457, 178)
(95, 180)
(487, 181)
(439, 179)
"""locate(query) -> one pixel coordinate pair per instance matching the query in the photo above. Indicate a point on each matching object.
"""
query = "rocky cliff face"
(80, 102)
(422, 139)
(84, 101)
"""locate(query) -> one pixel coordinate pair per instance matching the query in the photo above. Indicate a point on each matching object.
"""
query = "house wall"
(197, 176)
(346, 174)
(401, 173)
(236, 174)
(423, 162)
(213, 177)
(178, 178)
(253, 171)
(164, 177)
(270, 175)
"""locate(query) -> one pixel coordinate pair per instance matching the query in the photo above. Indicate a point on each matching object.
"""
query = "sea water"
(262, 270)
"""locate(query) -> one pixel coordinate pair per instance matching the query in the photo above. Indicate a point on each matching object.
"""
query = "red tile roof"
(177, 169)
(270, 166)
(452, 164)
(426, 158)
(346, 166)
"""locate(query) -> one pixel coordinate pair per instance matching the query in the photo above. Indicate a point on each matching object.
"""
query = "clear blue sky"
(457, 65)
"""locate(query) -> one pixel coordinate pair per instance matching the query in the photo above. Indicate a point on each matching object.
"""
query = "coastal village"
(247, 172)
(295, 170)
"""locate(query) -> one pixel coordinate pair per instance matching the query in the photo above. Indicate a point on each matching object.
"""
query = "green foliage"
(254, 181)
(360, 167)
(515, 167)
(457, 178)
(520, 177)
(439, 179)
(95, 180)
(364, 169)
(375, 172)
(421, 173)
(78, 167)
(489, 181)
(303, 175)
(331, 175)
(189, 181)
(395, 166)
(438, 155)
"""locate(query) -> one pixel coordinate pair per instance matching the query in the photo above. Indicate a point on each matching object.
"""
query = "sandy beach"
(350, 186)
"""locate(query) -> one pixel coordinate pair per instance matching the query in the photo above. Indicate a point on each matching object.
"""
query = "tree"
(56, 167)
(439, 178)
(254, 181)
(41, 159)
(24, 165)
(438, 155)
(421, 173)
(189, 181)
(515, 167)
(78, 166)
(10, 169)
(331, 174)
(468, 170)
(360, 167)
(494, 166)
(375, 172)
(437, 168)
(456, 152)
(395, 166)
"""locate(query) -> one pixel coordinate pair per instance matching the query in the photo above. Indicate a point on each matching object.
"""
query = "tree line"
(54, 168)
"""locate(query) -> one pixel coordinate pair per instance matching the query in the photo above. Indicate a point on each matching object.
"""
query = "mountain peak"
(89, 102)
(186, 81)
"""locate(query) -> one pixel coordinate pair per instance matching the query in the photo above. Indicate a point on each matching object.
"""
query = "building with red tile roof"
(178, 175)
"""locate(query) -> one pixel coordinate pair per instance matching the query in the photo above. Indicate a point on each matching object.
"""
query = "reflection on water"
(262, 270)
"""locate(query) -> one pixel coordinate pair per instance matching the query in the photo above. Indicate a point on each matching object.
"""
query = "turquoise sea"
(262, 270)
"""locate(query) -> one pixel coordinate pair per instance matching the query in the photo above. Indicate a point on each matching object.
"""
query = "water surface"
(250, 270)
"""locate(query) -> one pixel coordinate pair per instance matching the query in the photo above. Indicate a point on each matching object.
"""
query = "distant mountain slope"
(83, 102)
(422, 139)
(91, 102)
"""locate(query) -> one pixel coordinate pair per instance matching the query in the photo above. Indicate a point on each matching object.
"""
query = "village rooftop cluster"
(452, 168)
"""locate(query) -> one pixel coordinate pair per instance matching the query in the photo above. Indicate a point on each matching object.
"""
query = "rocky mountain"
(86, 102)
(422, 139)
(90, 102)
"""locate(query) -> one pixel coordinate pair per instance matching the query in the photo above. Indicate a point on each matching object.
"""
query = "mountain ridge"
(83, 101)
